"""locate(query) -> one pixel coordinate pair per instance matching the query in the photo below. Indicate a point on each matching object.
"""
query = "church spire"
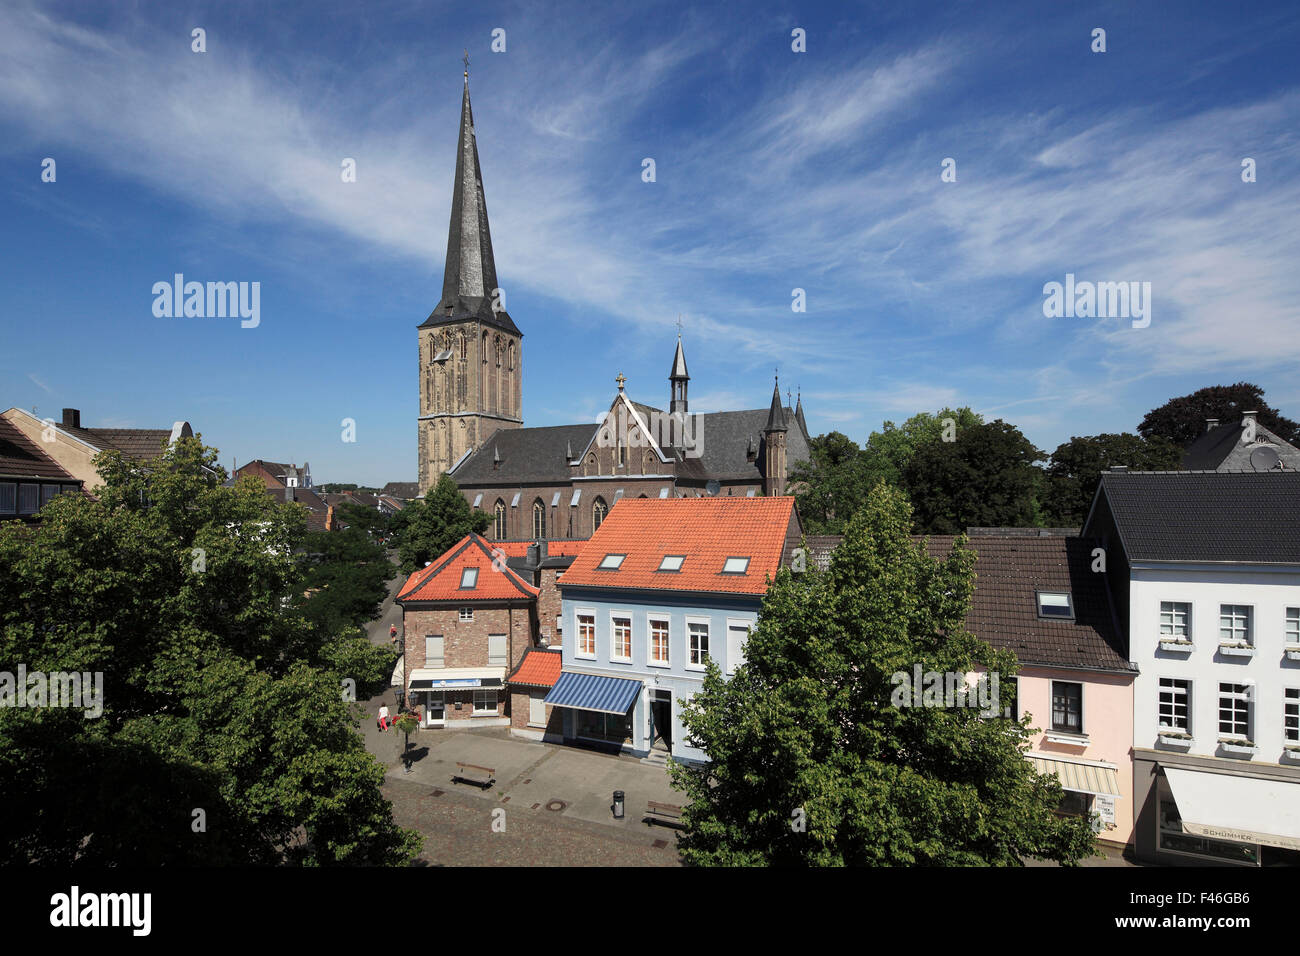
(470, 276)
(677, 379)
(776, 415)
(798, 413)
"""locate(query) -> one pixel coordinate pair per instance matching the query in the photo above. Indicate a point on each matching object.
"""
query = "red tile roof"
(554, 549)
(706, 530)
(539, 668)
(440, 581)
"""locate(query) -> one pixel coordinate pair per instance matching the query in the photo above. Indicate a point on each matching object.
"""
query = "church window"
(500, 512)
(539, 520)
(598, 512)
(464, 348)
(512, 356)
(590, 467)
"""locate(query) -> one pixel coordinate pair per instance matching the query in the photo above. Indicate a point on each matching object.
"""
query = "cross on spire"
(620, 379)
(679, 325)
(466, 58)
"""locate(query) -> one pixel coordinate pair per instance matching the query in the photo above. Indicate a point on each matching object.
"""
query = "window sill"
(664, 664)
(700, 668)
(620, 660)
(1177, 647)
(1243, 747)
(584, 657)
(1173, 740)
(1237, 650)
(1067, 738)
(1293, 653)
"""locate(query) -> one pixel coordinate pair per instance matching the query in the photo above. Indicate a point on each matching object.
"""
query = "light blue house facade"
(657, 642)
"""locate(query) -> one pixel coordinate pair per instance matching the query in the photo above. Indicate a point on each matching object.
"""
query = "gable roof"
(1221, 448)
(440, 581)
(1203, 516)
(401, 489)
(20, 457)
(706, 530)
(1010, 570)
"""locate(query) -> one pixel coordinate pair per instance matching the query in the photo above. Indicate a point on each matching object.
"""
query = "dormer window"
(735, 566)
(1055, 605)
(611, 562)
(469, 578)
(672, 562)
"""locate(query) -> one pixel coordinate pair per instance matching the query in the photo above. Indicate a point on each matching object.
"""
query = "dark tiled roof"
(401, 489)
(20, 457)
(527, 454)
(1211, 448)
(818, 548)
(1221, 449)
(139, 444)
(1010, 569)
(1206, 516)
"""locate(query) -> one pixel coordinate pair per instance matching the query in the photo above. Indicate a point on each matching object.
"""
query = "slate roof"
(401, 489)
(1011, 566)
(539, 668)
(1010, 570)
(138, 444)
(20, 457)
(706, 530)
(440, 581)
(1251, 517)
(1212, 448)
(538, 454)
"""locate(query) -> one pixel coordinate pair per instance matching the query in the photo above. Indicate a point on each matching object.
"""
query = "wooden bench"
(667, 813)
(469, 773)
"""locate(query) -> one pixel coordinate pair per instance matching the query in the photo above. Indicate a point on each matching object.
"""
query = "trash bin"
(618, 804)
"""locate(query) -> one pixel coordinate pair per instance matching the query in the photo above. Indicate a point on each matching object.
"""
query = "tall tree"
(432, 524)
(813, 758)
(223, 734)
(987, 477)
(1076, 466)
(1182, 419)
(831, 484)
(889, 450)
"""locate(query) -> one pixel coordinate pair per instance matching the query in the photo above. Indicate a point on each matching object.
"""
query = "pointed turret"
(470, 276)
(678, 379)
(798, 414)
(776, 416)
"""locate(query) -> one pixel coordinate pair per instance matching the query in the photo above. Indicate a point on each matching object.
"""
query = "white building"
(1205, 571)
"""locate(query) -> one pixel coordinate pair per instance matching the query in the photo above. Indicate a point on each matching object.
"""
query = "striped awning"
(1081, 776)
(606, 695)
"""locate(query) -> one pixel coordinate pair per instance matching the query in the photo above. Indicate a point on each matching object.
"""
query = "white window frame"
(578, 614)
(1246, 696)
(613, 656)
(678, 559)
(606, 565)
(1068, 605)
(482, 692)
(708, 637)
(1291, 635)
(1175, 608)
(466, 615)
(503, 659)
(650, 621)
(1291, 712)
(727, 569)
(1186, 692)
(470, 574)
(1249, 639)
(736, 622)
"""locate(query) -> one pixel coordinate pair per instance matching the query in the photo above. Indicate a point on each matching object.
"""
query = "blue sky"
(775, 170)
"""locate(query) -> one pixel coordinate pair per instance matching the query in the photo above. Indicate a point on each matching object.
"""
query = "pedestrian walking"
(383, 717)
(392, 633)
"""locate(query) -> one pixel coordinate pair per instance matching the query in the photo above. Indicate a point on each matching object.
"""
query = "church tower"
(774, 433)
(470, 351)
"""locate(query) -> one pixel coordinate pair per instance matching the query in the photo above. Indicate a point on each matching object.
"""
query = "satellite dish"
(713, 487)
(1265, 458)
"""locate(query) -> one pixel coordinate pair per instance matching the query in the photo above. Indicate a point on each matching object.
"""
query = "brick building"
(469, 619)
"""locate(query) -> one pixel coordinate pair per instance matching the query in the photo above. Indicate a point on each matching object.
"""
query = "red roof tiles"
(539, 668)
(706, 530)
(441, 580)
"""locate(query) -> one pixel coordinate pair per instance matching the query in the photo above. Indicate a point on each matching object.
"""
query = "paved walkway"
(550, 805)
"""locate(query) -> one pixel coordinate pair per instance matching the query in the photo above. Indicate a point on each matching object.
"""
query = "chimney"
(533, 559)
(72, 418)
(1211, 424)
(1249, 417)
(288, 492)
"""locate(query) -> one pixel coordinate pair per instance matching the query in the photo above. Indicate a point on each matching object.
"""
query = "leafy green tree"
(1075, 470)
(1182, 419)
(345, 577)
(219, 696)
(987, 477)
(831, 484)
(370, 520)
(811, 761)
(432, 524)
(889, 450)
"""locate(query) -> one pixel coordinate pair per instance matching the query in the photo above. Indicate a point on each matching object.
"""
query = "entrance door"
(436, 711)
(661, 719)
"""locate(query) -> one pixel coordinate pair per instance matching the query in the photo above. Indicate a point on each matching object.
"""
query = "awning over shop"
(1081, 776)
(398, 676)
(1245, 809)
(451, 678)
(607, 695)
